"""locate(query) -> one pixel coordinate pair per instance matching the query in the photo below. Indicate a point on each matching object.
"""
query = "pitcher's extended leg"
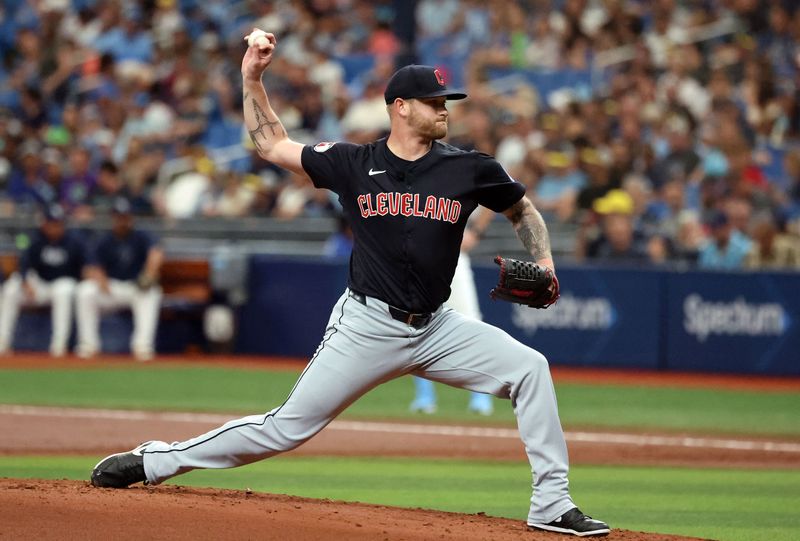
(347, 364)
(470, 354)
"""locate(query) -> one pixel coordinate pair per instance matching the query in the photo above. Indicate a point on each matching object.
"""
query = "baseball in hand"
(257, 38)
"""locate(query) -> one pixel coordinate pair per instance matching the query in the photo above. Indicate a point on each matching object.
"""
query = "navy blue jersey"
(408, 218)
(60, 259)
(123, 258)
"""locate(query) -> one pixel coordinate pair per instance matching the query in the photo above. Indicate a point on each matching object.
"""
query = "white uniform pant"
(145, 305)
(58, 294)
(364, 346)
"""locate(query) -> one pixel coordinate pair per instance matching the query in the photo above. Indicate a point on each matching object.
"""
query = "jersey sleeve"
(148, 240)
(328, 164)
(495, 189)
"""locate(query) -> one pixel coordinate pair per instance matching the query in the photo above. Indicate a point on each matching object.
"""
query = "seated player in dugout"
(408, 198)
(49, 270)
(123, 273)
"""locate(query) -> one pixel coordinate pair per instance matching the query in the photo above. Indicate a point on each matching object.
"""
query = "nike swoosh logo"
(373, 173)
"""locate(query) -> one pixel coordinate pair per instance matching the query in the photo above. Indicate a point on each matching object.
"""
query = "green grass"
(203, 388)
(749, 505)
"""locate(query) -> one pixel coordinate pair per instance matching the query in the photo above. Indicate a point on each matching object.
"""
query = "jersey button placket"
(407, 248)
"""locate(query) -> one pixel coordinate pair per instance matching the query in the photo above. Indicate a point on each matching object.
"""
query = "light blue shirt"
(732, 257)
(124, 46)
(551, 187)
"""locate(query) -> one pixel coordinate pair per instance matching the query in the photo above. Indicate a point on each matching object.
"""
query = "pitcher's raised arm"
(265, 128)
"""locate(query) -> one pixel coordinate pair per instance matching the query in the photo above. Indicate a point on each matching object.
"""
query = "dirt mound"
(57, 510)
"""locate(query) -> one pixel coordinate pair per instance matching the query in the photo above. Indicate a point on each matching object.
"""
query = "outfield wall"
(688, 321)
(682, 321)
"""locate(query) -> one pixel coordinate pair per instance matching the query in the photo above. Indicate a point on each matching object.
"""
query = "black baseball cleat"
(573, 522)
(121, 469)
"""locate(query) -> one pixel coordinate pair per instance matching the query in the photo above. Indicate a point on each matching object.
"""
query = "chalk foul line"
(641, 440)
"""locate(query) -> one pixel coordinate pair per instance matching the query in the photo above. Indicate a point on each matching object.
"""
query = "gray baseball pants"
(363, 346)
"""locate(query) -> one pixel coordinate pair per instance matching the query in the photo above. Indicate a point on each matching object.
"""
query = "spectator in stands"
(140, 84)
(109, 187)
(556, 193)
(661, 215)
(680, 159)
(773, 247)
(787, 201)
(123, 272)
(596, 166)
(229, 196)
(294, 197)
(688, 240)
(474, 131)
(128, 42)
(26, 174)
(78, 186)
(739, 211)
(617, 241)
(49, 270)
(726, 248)
(47, 191)
(436, 17)
(516, 142)
(678, 87)
(365, 119)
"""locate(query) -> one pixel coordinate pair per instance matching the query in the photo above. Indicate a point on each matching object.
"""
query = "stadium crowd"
(683, 149)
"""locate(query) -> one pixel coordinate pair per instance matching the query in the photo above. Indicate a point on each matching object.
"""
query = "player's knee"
(11, 289)
(289, 435)
(86, 289)
(535, 362)
(63, 288)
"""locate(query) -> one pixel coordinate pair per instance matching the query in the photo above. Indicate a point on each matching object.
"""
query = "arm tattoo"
(531, 230)
(261, 121)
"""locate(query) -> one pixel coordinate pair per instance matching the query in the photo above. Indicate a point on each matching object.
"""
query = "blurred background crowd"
(664, 132)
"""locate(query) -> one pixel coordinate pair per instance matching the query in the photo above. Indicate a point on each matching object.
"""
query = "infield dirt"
(58, 510)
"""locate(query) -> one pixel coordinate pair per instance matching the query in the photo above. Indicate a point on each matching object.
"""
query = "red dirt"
(76, 510)
(50, 510)
(70, 432)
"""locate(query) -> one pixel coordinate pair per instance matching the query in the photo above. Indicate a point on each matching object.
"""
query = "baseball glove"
(525, 282)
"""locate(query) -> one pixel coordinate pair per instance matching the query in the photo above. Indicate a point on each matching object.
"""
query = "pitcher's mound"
(57, 510)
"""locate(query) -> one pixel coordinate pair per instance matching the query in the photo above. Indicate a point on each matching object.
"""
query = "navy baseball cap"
(417, 81)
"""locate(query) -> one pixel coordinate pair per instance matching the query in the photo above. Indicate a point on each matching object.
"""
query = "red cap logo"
(439, 76)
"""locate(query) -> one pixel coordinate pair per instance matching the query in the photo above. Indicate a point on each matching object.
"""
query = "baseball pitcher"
(407, 197)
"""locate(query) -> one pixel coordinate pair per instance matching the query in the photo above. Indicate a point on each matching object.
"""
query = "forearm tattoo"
(261, 122)
(531, 230)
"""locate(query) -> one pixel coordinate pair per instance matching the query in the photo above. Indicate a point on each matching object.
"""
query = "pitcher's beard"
(429, 129)
(439, 130)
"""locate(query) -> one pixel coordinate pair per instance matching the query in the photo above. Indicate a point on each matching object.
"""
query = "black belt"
(417, 321)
